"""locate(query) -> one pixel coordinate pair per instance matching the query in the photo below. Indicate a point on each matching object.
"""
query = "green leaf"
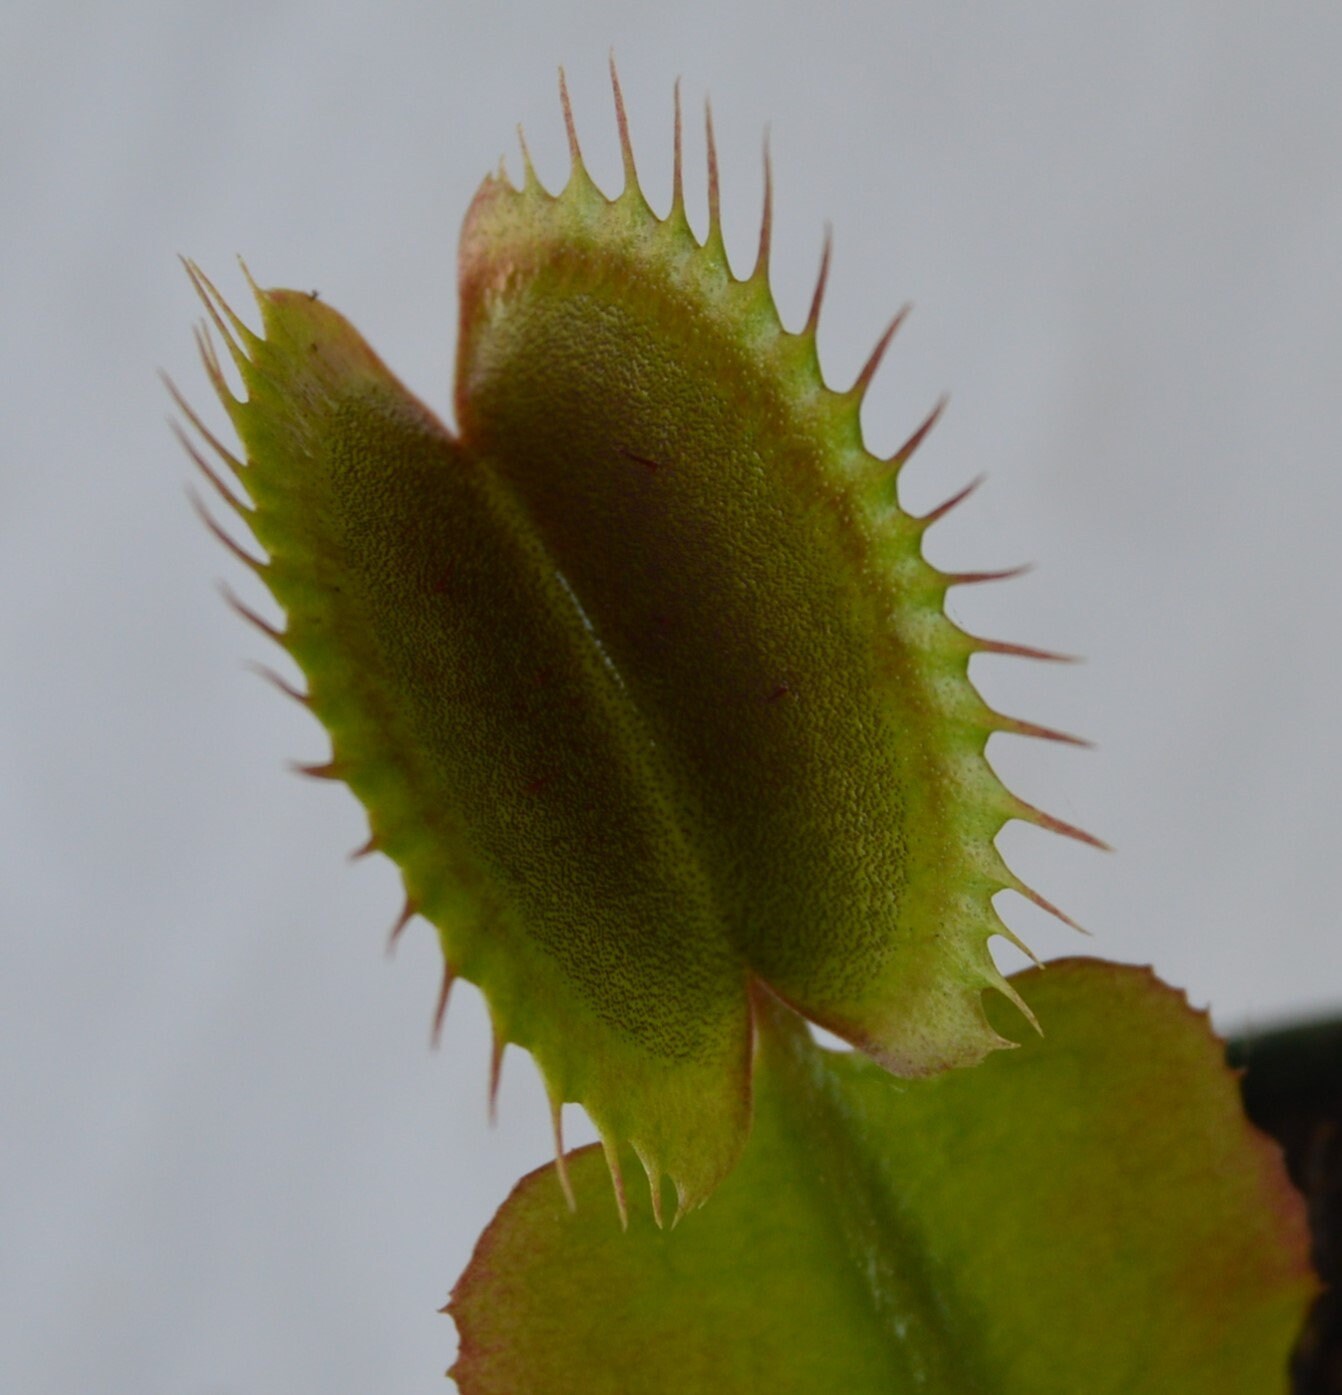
(1089, 1213)
(642, 678)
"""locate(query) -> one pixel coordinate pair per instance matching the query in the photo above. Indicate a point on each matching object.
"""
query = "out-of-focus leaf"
(1089, 1213)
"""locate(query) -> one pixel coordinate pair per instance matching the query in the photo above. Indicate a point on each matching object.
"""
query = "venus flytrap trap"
(642, 677)
(649, 691)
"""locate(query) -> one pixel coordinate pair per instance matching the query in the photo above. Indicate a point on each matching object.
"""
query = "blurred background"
(229, 1161)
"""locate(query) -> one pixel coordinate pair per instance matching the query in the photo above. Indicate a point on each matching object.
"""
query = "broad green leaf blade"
(1089, 1213)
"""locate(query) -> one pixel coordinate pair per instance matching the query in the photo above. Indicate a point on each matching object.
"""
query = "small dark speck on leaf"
(644, 460)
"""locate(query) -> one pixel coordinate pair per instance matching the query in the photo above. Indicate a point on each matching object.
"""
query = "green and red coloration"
(1091, 1213)
(642, 677)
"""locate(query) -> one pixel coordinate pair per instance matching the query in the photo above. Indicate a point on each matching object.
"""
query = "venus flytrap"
(650, 693)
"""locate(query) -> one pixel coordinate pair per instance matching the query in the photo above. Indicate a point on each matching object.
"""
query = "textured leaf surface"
(471, 712)
(642, 677)
(1090, 1213)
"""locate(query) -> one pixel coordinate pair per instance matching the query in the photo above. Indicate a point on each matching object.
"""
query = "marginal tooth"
(682, 1202)
(213, 371)
(713, 241)
(611, 1150)
(498, 1045)
(220, 311)
(257, 293)
(1021, 651)
(251, 617)
(530, 180)
(1015, 727)
(822, 281)
(761, 271)
(408, 911)
(320, 770)
(440, 1007)
(903, 454)
(561, 1160)
(243, 556)
(204, 432)
(574, 150)
(863, 380)
(654, 1184)
(1008, 934)
(631, 184)
(363, 850)
(1007, 991)
(925, 521)
(1031, 894)
(677, 214)
(977, 578)
(1027, 812)
(242, 510)
(281, 683)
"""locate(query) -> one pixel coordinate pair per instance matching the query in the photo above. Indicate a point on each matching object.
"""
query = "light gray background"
(229, 1162)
